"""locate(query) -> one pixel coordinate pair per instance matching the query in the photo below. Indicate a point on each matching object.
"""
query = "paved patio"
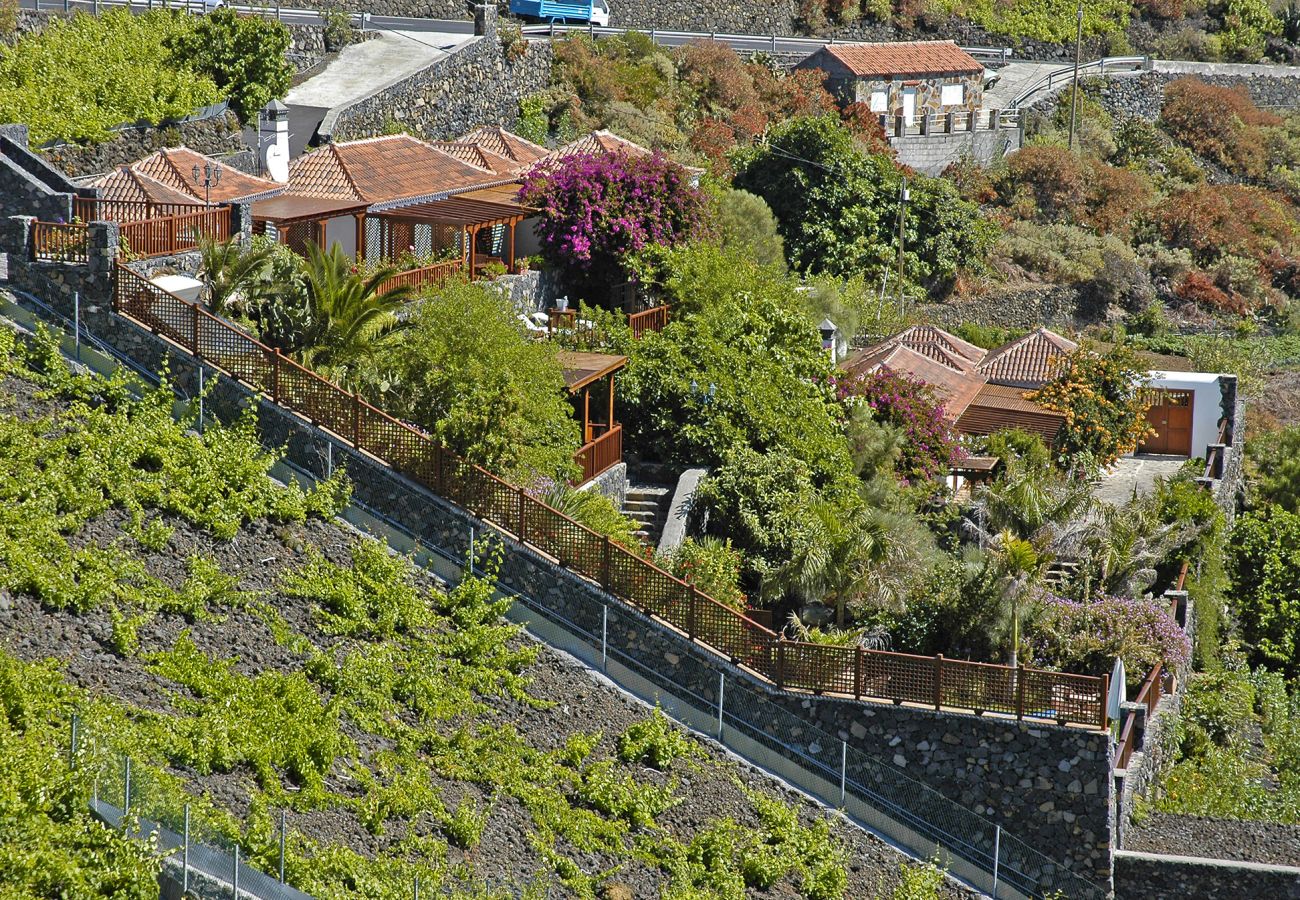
(1135, 475)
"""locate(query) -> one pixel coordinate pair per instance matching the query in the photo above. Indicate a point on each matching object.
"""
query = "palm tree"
(1023, 567)
(1033, 504)
(861, 555)
(231, 269)
(350, 318)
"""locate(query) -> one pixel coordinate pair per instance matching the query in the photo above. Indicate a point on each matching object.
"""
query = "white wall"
(343, 231)
(1206, 403)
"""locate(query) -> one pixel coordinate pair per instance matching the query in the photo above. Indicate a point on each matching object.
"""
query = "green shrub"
(713, 566)
(654, 741)
(244, 55)
(465, 824)
(79, 78)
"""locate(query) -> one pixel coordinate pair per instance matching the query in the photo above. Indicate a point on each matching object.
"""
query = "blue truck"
(594, 11)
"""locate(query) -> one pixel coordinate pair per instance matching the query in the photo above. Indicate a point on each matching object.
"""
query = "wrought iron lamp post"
(209, 175)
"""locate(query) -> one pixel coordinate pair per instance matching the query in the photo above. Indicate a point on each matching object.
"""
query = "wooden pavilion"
(466, 216)
(586, 374)
(298, 220)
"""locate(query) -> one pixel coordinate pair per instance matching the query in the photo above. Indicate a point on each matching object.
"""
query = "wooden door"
(1170, 414)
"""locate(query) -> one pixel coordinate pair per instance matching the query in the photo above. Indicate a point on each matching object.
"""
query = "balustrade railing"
(626, 574)
(653, 319)
(59, 242)
(175, 234)
(426, 277)
(96, 209)
(600, 453)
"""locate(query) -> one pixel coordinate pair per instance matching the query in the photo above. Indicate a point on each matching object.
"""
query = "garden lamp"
(209, 175)
(829, 332)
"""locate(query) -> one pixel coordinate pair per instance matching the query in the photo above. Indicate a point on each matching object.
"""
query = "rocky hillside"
(252, 654)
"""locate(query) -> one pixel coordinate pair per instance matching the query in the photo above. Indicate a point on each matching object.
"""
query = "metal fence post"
(997, 851)
(234, 880)
(844, 769)
(282, 824)
(417, 888)
(200, 398)
(126, 789)
(604, 637)
(329, 459)
(185, 854)
(722, 691)
(72, 745)
(76, 321)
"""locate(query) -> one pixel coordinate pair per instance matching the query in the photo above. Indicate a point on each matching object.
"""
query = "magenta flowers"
(597, 210)
(929, 446)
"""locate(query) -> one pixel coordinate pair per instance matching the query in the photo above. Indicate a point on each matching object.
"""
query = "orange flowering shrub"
(1101, 399)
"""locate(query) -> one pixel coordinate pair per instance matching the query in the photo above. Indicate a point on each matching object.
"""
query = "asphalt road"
(288, 16)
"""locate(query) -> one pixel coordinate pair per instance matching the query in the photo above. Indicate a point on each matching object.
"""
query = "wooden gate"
(1170, 414)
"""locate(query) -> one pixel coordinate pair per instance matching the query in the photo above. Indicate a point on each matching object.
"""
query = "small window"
(879, 101)
(953, 95)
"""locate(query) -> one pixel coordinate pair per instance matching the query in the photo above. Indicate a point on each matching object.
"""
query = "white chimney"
(273, 141)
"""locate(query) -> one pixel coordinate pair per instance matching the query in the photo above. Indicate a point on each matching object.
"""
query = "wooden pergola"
(299, 220)
(469, 213)
(602, 441)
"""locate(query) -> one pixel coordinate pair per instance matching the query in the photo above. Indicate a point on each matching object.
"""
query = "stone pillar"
(485, 20)
(1228, 406)
(241, 220)
(102, 245)
(15, 239)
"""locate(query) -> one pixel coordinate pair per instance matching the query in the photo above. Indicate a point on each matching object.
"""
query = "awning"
(475, 208)
(581, 369)
(288, 209)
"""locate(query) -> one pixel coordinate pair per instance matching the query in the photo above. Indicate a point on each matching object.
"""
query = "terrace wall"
(1046, 784)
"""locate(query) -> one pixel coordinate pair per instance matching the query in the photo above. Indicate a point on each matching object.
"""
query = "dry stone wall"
(478, 84)
(1144, 876)
(217, 136)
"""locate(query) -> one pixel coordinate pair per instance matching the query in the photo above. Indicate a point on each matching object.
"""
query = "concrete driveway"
(1136, 476)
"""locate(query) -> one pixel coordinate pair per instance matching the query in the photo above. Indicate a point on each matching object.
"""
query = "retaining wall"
(217, 136)
(477, 84)
(1146, 876)
(1143, 95)
(28, 186)
(933, 153)
(1046, 784)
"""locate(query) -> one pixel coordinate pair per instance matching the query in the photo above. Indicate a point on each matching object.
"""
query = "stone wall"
(1053, 306)
(1048, 785)
(1143, 95)
(1147, 876)
(217, 136)
(477, 84)
(28, 186)
(932, 153)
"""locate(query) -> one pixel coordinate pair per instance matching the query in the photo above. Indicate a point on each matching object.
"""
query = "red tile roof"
(385, 169)
(499, 142)
(1027, 361)
(998, 407)
(904, 58)
(166, 176)
(477, 156)
(954, 387)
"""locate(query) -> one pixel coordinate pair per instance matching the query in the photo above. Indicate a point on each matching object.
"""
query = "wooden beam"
(361, 236)
(610, 419)
(510, 263)
(586, 415)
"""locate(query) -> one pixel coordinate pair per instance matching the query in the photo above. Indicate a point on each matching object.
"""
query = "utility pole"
(1074, 91)
(903, 196)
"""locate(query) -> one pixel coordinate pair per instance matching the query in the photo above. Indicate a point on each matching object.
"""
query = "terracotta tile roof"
(174, 168)
(477, 156)
(598, 143)
(385, 169)
(166, 177)
(997, 407)
(954, 387)
(937, 344)
(1027, 361)
(499, 142)
(904, 58)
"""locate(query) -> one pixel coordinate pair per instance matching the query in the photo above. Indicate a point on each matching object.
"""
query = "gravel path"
(1262, 842)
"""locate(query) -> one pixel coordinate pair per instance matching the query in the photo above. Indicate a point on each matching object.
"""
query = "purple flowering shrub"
(598, 210)
(1085, 637)
(929, 445)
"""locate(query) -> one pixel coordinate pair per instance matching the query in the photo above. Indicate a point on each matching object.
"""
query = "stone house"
(905, 79)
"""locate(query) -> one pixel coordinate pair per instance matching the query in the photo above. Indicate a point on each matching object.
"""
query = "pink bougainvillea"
(1086, 637)
(929, 446)
(599, 209)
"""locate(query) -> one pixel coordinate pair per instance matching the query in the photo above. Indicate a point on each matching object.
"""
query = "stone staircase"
(648, 505)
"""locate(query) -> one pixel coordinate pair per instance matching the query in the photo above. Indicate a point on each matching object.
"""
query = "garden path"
(1135, 475)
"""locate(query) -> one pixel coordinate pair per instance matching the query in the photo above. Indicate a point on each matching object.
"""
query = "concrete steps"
(647, 504)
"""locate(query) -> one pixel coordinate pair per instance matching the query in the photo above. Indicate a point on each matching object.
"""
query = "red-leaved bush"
(1220, 124)
(1199, 288)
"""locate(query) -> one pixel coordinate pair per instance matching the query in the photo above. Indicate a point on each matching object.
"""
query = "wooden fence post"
(194, 329)
(275, 376)
(609, 555)
(1019, 673)
(857, 673)
(938, 681)
(356, 420)
(692, 605)
(523, 501)
(1105, 693)
(780, 664)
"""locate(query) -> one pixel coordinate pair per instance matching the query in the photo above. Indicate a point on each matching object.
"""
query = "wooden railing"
(600, 453)
(175, 234)
(95, 209)
(790, 665)
(58, 242)
(428, 276)
(653, 319)
(1215, 458)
